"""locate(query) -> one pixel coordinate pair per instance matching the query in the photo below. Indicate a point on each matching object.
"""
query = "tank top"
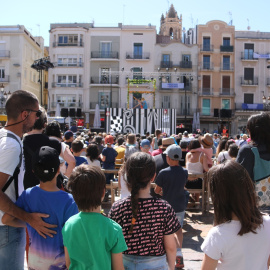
(195, 167)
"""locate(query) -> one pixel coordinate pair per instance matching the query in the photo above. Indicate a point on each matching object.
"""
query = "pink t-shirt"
(208, 152)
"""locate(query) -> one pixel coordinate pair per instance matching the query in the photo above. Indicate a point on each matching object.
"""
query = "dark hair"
(221, 145)
(120, 140)
(157, 132)
(41, 121)
(232, 191)
(98, 139)
(194, 144)
(258, 126)
(92, 151)
(131, 138)
(139, 168)
(238, 136)
(184, 144)
(87, 185)
(228, 143)
(53, 129)
(233, 150)
(76, 146)
(159, 142)
(18, 102)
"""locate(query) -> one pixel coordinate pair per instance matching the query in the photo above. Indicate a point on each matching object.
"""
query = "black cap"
(45, 163)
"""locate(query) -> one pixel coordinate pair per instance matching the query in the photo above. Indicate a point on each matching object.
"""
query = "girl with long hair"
(240, 236)
(148, 223)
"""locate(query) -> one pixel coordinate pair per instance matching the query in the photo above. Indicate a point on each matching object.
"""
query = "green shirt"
(90, 238)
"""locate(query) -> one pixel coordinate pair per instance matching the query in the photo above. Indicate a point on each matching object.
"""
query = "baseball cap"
(109, 139)
(145, 142)
(68, 134)
(174, 152)
(45, 163)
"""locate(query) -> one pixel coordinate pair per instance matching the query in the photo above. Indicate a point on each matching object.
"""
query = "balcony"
(206, 66)
(67, 104)
(226, 91)
(80, 64)
(93, 105)
(206, 48)
(4, 79)
(206, 91)
(187, 87)
(166, 64)
(69, 44)
(4, 54)
(105, 80)
(226, 48)
(226, 67)
(56, 84)
(253, 82)
(112, 55)
(248, 57)
(186, 64)
(134, 56)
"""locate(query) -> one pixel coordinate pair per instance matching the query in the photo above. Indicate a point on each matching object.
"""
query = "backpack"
(17, 169)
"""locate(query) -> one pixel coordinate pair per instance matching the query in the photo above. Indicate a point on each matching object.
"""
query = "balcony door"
(206, 84)
(249, 49)
(138, 50)
(105, 75)
(105, 49)
(226, 84)
(206, 43)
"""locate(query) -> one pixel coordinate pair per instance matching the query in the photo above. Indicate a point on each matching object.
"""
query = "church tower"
(171, 25)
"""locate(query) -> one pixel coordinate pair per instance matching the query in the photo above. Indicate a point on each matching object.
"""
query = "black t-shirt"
(31, 143)
(161, 162)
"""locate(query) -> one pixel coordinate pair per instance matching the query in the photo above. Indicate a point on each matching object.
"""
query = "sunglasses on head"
(38, 112)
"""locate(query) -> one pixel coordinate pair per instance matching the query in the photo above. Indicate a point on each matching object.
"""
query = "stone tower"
(171, 25)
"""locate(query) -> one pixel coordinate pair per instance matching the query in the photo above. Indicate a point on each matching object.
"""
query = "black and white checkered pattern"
(116, 124)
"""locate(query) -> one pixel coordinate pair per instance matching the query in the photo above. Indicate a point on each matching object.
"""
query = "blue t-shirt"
(80, 160)
(60, 206)
(110, 155)
(172, 180)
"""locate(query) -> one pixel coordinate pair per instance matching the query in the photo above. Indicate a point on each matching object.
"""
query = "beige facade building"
(252, 77)
(216, 94)
(18, 50)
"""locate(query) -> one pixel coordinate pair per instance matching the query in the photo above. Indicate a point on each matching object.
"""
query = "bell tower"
(171, 25)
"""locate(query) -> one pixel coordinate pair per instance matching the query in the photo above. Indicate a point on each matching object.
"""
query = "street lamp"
(39, 65)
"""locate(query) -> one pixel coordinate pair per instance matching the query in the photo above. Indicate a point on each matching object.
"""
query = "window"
(206, 82)
(104, 99)
(67, 61)
(68, 40)
(105, 49)
(66, 80)
(105, 75)
(249, 74)
(206, 44)
(165, 62)
(138, 50)
(137, 73)
(226, 41)
(2, 73)
(249, 49)
(206, 106)
(248, 98)
(226, 84)
(186, 57)
(206, 62)
(226, 63)
(66, 100)
(226, 104)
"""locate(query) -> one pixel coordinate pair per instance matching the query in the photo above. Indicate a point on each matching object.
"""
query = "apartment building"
(69, 79)
(252, 77)
(18, 50)
(216, 95)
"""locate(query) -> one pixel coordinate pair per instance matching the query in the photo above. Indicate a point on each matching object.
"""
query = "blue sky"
(36, 16)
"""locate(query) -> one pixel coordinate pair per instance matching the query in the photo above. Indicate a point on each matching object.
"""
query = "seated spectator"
(184, 149)
(92, 155)
(145, 146)
(120, 149)
(159, 150)
(131, 146)
(224, 155)
(233, 151)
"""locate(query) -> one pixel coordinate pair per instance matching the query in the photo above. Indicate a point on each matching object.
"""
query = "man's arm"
(158, 190)
(117, 261)
(33, 219)
(12, 221)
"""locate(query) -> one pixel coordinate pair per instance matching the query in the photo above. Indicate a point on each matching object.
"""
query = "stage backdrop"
(140, 120)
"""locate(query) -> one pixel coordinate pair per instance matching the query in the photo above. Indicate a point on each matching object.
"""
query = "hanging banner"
(257, 55)
(173, 85)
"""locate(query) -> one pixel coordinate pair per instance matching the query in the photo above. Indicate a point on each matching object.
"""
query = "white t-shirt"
(96, 162)
(9, 159)
(249, 251)
(124, 190)
(223, 155)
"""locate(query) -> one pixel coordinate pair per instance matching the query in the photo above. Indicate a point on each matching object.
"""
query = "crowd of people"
(52, 186)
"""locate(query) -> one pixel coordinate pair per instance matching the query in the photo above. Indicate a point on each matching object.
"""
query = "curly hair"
(140, 168)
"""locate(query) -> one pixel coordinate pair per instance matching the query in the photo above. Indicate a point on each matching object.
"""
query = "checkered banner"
(116, 124)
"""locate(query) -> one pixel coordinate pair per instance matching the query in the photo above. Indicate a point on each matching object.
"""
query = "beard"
(27, 127)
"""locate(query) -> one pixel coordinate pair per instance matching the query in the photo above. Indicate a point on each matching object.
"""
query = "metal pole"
(40, 81)
(185, 107)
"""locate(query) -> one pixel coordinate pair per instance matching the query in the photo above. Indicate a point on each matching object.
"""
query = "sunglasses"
(38, 112)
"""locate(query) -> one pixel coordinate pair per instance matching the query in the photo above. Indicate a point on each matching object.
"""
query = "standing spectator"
(22, 111)
(237, 140)
(224, 155)
(243, 141)
(73, 127)
(159, 150)
(91, 240)
(240, 230)
(120, 149)
(47, 197)
(184, 149)
(77, 149)
(145, 146)
(170, 184)
(185, 137)
(158, 134)
(131, 146)
(108, 157)
(99, 140)
(233, 151)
